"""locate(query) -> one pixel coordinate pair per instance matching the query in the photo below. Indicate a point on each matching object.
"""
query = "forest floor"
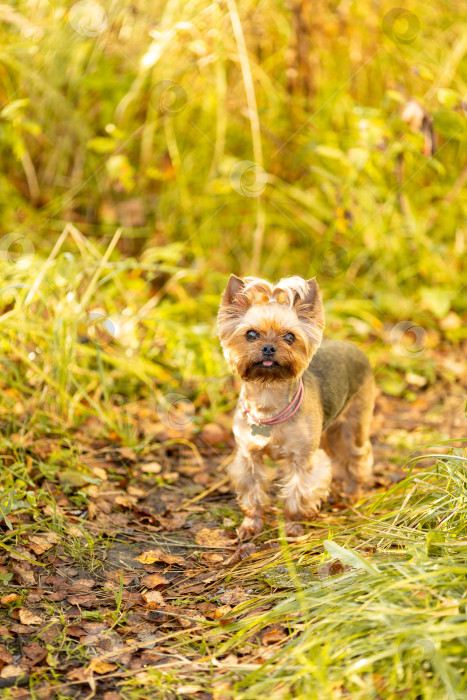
(126, 577)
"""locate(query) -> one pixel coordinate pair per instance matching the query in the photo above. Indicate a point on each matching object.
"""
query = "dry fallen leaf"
(26, 617)
(222, 611)
(87, 600)
(242, 552)
(35, 653)
(151, 468)
(102, 667)
(5, 656)
(213, 538)
(152, 555)
(126, 501)
(42, 543)
(233, 596)
(9, 598)
(137, 492)
(154, 580)
(153, 599)
(21, 552)
(211, 557)
(213, 433)
(12, 671)
(274, 635)
(24, 575)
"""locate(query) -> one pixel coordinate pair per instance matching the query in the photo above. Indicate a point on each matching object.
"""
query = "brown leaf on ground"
(13, 671)
(271, 636)
(152, 555)
(24, 575)
(242, 552)
(34, 653)
(213, 538)
(58, 596)
(213, 434)
(26, 617)
(81, 583)
(137, 492)
(102, 667)
(222, 611)
(114, 576)
(9, 598)
(22, 629)
(88, 600)
(173, 522)
(128, 453)
(126, 501)
(49, 633)
(42, 543)
(153, 599)
(154, 580)
(212, 557)
(81, 674)
(20, 552)
(5, 656)
(35, 596)
(151, 468)
(233, 596)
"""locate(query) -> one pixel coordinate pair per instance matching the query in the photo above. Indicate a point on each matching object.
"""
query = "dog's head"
(269, 333)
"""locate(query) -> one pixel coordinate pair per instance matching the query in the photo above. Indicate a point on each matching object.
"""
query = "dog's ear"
(235, 285)
(310, 307)
(312, 291)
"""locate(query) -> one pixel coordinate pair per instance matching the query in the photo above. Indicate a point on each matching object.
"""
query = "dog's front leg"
(250, 483)
(306, 484)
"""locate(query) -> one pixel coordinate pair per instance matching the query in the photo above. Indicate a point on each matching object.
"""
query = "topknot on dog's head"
(287, 291)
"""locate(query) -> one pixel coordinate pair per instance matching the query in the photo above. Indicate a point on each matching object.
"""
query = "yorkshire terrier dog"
(305, 402)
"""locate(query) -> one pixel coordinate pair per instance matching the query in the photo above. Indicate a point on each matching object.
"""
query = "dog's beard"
(251, 367)
(257, 372)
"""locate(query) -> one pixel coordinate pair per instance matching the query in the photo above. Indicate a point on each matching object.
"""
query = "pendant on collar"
(261, 430)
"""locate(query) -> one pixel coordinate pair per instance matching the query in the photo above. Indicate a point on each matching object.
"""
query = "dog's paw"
(250, 527)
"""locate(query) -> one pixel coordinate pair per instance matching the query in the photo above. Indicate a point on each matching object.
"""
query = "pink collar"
(284, 415)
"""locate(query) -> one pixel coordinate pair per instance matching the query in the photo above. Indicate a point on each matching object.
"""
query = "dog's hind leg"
(347, 440)
(305, 486)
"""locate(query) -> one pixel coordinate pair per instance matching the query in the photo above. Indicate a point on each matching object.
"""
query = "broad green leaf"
(349, 556)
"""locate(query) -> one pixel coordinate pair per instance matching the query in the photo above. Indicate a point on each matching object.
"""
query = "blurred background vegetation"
(125, 196)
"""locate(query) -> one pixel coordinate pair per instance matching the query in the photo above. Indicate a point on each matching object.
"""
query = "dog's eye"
(251, 335)
(289, 338)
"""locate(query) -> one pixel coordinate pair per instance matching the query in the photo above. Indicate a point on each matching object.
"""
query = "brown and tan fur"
(329, 434)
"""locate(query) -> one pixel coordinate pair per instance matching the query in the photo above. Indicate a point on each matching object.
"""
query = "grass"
(121, 219)
(393, 625)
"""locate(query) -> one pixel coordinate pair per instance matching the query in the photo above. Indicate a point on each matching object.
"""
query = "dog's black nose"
(268, 349)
